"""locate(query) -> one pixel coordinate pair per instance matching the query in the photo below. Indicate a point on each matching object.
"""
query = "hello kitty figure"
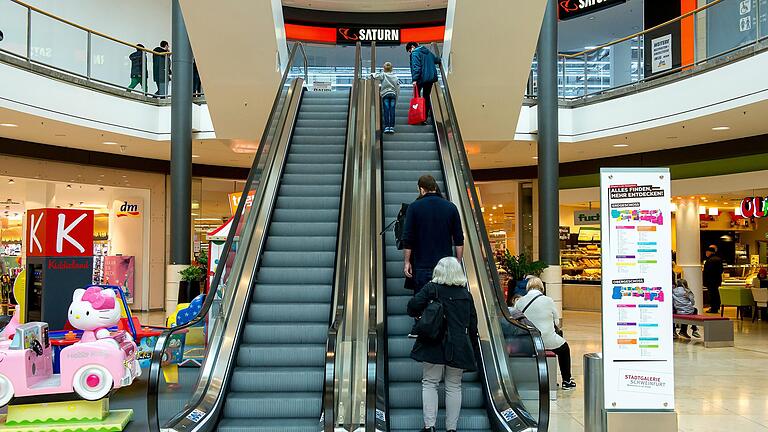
(93, 310)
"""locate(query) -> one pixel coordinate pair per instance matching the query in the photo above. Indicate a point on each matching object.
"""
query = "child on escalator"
(390, 87)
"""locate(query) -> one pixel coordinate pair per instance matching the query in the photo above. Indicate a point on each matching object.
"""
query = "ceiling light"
(713, 211)
(494, 207)
(621, 145)
(101, 189)
(721, 128)
(8, 125)
(500, 206)
(702, 210)
(71, 205)
(536, 157)
(82, 202)
(69, 186)
(109, 143)
(11, 181)
(671, 137)
(693, 197)
(195, 156)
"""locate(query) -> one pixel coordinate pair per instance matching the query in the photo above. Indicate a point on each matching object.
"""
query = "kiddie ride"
(90, 368)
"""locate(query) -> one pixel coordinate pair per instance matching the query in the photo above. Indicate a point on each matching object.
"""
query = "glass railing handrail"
(485, 268)
(277, 115)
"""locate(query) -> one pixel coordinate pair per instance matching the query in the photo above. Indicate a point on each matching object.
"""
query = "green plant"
(520, 266)
(202, 259)
(192, 273)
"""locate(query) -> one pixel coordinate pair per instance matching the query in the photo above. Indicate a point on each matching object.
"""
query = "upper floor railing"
(707, 33)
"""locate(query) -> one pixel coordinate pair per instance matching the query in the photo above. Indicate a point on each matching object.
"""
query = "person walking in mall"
(713, 278)
(452, 354)
(423, 72)
(432, 231)
(541, 311)
(138, 58)
(390, 87)
(683, 303)
(161, 65)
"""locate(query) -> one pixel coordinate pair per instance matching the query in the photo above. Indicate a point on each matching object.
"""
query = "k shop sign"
(59, 232)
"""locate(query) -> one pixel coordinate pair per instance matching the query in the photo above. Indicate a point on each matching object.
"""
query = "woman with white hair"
(541, 311)
(452, 353)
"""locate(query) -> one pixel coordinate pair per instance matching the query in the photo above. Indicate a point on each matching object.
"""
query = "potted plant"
(518, 267)
(189, 286)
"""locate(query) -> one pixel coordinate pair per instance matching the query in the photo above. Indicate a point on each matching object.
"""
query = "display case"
(580, 256)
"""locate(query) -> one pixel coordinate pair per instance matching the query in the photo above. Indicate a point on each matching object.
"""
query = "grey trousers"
(430, 380)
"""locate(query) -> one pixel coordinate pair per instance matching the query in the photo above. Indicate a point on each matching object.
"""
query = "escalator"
(271, 309)
(408, 154)
(509, 391)
(277, 383)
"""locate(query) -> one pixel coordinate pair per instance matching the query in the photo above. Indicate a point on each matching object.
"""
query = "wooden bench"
(718, 331)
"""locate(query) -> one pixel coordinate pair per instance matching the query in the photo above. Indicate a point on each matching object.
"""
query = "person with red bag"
(423, 75)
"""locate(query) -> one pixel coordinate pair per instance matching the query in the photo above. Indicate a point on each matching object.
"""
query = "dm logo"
(128, 210)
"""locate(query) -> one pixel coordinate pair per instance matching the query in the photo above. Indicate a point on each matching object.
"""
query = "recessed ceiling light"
(621, 145)
(69, 186)
(195, 156)
(8, 125)
(671, 137)
(721, 128)
(101, 189)
(82, 202)
(11, 181)
(109, 143)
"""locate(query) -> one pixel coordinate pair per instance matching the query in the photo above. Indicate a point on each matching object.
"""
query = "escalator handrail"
(164, 338)
(477, 220)
(342, 255)
(375, 394)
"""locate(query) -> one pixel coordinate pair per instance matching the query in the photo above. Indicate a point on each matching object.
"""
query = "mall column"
(181, 157)
(549, 200)
(688, 244)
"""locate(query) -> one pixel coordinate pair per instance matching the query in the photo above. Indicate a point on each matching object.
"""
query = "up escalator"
(408, 154)
(509, 391)
(277, 383)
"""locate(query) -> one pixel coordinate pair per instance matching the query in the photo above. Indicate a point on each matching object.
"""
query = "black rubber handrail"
(164, 338)
(478, 222)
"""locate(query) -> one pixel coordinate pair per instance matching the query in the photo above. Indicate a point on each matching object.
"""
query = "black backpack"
(430, 325)
(399, 224)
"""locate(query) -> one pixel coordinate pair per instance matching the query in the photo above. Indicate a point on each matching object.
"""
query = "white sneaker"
(696, 334)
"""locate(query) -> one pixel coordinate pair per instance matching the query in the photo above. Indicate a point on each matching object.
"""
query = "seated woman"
(541, 311)
(683, 303)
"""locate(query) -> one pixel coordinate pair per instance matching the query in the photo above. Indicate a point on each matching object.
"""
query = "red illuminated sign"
(350, 35)
(754, 207)
(567, 9)
(59, 232)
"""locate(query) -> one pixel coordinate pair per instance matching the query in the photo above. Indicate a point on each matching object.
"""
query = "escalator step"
(289, 229)
(302, 244)
(274, 404)
(269, 425)
(281, 355)
(306, 275)
(292, 259)
(305, 203)
(285, 332)
(282, 379)
(276, 293)
(411, 419)
(299, 309)
(408, 394)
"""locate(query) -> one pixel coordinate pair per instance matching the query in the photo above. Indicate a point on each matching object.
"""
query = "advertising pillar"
(638, 368)
(59, 260)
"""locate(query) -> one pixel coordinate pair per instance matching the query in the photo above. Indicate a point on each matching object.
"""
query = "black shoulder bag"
(430, 325)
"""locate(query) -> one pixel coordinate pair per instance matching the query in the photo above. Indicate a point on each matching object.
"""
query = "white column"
(689, 247)
(553, 279)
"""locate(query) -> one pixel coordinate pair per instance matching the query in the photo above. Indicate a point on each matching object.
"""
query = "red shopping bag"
(417, 111)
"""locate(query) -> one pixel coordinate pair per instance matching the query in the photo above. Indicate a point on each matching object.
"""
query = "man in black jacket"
(432, 230)
(138, 58)
(160, 65)
(713, 278)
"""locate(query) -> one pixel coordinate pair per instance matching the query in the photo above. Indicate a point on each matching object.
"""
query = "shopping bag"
(417, 111)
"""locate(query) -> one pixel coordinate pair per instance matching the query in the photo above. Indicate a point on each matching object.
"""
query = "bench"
(552, 374)
(718, 331)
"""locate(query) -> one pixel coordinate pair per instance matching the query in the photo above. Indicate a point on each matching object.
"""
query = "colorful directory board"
(638, 369)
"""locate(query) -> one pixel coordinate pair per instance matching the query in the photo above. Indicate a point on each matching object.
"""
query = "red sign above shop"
(754, 207)
(351, 35)
(58, 232)
(568, 9)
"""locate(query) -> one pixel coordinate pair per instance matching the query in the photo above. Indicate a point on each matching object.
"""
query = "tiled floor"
(716, 389)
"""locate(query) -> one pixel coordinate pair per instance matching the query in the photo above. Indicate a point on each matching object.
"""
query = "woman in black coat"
(453, 353)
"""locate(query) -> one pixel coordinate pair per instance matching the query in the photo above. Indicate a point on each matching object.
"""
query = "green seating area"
(735, 296)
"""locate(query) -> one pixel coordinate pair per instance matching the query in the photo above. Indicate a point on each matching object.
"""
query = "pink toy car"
(90, 369)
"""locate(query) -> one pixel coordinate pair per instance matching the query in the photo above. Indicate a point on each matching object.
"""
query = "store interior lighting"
(702, 210)
(713, 211)
(738, 212)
